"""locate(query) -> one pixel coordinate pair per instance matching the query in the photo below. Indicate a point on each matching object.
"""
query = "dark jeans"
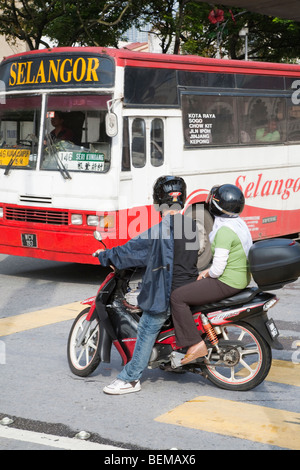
(195, 293)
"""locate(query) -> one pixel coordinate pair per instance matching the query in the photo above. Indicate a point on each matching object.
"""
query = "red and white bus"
(85, 132)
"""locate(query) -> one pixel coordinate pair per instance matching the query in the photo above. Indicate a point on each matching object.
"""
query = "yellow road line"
(285, 372)
(48, 316)
(231, 418)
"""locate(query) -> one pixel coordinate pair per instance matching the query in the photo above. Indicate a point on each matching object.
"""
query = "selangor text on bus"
(85, 132)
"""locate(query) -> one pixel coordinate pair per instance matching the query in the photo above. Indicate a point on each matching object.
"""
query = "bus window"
(157, 142)
(19, 124)
(75, 134)
(293, 122)
(209, 120)
(125, 146)
(138, 146)
(262, 119)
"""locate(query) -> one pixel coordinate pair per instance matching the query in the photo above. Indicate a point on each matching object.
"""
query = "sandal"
(200, 351)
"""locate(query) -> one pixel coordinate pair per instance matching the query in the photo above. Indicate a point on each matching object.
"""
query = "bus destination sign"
(18, 157)
(38, 71)
(82, 161)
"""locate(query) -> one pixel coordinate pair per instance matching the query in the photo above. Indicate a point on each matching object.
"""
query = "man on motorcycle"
(169, 252)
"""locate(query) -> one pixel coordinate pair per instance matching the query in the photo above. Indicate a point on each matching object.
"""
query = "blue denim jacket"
(153, 250)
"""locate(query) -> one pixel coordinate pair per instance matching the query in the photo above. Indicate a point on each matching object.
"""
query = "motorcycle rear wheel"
(251, 359)
(83, 355)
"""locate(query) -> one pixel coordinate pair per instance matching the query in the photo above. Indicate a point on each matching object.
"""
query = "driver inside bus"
(60, 131)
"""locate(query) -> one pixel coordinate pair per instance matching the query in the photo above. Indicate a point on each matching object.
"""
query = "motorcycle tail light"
(269, 304)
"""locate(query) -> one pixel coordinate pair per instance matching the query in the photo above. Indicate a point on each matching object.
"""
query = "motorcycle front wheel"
(83, 345)
(245, 359)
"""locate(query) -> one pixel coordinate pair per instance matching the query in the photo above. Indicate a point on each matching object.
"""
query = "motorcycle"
(237, 330)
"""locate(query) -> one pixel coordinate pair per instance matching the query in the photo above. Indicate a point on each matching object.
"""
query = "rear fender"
(258, 322)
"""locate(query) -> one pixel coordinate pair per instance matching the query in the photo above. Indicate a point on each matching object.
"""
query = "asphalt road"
(49, 405)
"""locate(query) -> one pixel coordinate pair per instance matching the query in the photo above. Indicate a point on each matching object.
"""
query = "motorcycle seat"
(242, 297)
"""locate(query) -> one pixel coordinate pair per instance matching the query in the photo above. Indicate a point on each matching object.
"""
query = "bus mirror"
(97, 236)
(111, 124)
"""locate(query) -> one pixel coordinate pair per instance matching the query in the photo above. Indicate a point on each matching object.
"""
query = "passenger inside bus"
(268, 133)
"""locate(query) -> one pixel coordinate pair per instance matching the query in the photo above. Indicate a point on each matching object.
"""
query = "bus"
(86, 131)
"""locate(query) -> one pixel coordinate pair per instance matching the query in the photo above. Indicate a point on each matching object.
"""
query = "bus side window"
(138, 145)
(157, 142)
(262, 119)
(125, 148)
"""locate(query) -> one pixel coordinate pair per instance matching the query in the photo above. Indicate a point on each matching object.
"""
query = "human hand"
(203, 274)
(98, 252)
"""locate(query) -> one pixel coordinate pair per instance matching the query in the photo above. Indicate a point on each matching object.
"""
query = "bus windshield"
(19, 124)
(75, 134)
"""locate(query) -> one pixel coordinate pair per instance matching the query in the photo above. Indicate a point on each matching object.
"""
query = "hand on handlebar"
(96, 254)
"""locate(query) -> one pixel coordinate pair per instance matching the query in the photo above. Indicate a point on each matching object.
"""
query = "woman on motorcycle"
(230, 242)
(161, 250)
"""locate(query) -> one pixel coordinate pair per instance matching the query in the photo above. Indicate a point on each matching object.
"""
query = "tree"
(183, 26)
(269, 39)
(96, 23)
(168, 18)
(64, 22)
(188, 26)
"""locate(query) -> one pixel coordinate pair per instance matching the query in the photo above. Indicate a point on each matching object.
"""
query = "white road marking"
(51, 440)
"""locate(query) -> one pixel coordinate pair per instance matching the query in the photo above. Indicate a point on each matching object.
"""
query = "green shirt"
(236, 273)
(268, 137)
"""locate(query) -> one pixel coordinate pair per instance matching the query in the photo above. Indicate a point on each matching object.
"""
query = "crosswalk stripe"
(238, 419)
(48, 316)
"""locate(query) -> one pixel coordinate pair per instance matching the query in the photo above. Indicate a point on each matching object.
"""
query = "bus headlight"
(76, 219)
(93, 220)
(1, 212)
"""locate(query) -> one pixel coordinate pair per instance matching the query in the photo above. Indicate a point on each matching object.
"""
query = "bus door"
(147, 157)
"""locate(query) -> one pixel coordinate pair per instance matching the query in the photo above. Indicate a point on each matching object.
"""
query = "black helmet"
(169, 190)
(226, 200)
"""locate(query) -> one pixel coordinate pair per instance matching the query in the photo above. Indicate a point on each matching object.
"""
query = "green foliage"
(183, 26)
(65, 23)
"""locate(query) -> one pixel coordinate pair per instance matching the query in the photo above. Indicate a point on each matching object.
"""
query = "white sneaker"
(119, 387)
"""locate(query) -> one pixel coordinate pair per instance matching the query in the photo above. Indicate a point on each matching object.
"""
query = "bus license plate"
(29, 240)
(272, 328)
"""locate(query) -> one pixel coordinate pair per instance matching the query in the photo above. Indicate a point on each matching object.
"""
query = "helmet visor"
(211, 193)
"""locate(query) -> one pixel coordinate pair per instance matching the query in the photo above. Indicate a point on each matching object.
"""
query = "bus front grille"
(38, 216)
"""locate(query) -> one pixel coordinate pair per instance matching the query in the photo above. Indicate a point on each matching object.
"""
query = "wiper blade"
(10, 164)
(53, 152)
